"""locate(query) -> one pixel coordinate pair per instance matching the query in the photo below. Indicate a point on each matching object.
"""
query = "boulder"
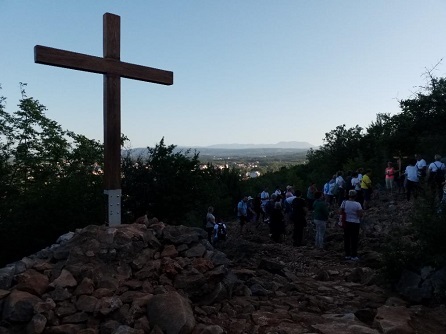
(393, 319)
(171, 312)
(19, 306)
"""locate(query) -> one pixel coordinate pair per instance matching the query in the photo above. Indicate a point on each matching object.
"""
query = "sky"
(247, 72)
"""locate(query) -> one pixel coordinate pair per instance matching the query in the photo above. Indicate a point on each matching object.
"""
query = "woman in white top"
(353, 212)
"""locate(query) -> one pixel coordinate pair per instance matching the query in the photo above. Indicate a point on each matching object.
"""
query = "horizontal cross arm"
(82, 62)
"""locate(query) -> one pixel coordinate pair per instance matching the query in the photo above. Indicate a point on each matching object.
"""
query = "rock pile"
(153, 278)
(113, 280)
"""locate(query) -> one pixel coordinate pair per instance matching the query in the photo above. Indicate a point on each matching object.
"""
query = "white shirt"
(434, 166)
(351, 211)
(412, 173)
(340, 181)
(289, 200)
(264, 196)
(210, 220)
(356, 183)
(421, 164)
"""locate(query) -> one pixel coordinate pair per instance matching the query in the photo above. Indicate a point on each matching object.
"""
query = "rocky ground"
(328, 294)
(152, 278)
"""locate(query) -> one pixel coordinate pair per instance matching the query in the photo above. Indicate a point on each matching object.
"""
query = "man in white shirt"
(421, 165)
(435, 175)
(412, 179)
(264, 196)
(278, 192)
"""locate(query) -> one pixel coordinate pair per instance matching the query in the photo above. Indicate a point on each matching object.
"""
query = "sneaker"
(347, 258)
(355, 258)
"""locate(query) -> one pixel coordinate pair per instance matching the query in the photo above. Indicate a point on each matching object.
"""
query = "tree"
(164, 184)
(47, 181)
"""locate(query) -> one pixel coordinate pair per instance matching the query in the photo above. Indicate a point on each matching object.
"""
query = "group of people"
(416, 176)
(418, 173)
(277, 211)
(292, 208)
(336, 190)
(349, 194)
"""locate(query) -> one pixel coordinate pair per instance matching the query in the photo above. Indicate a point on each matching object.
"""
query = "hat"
(249, 198)
(352, 193)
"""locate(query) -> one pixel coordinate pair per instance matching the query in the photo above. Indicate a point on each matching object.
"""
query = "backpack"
(326, 188)
(335, 189)
(439, 174)
(221, 231)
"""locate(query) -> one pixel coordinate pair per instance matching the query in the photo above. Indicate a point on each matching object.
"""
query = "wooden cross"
(399, 159)
(113, 69)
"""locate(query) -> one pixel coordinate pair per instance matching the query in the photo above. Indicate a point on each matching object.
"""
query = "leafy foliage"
(171, 186)
(47, 180)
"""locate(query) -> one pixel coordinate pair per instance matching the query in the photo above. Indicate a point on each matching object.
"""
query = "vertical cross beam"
(112, 120)
(113, 69)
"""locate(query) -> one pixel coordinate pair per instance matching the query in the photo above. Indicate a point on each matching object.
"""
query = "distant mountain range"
(282, 144)
(248, 150)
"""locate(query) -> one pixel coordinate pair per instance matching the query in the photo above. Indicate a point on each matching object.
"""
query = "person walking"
(320, 211)
(412, 179)
(298, 217)
(353, 212)
(390, 177)
(242, 212)
(257, 207)
(435, 174)
(210, 222)
(276, 223)
(366, 188)
(310, 194)
(340, 182)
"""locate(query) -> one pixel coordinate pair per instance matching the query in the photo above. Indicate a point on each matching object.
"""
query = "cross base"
(114, 206)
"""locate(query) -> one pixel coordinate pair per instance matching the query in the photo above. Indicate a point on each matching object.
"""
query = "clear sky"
(251, 71)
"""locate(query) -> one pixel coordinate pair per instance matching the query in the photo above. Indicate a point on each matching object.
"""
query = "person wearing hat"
(353, 211)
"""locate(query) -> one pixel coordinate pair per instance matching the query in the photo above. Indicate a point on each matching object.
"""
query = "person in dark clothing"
(298, 218)
(269, 206)
(277, 223)
(257, 206)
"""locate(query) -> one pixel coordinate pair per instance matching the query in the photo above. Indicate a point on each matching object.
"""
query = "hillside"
(153, 278)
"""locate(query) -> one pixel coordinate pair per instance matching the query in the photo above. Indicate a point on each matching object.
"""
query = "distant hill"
(240, 150)
(282, 144)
